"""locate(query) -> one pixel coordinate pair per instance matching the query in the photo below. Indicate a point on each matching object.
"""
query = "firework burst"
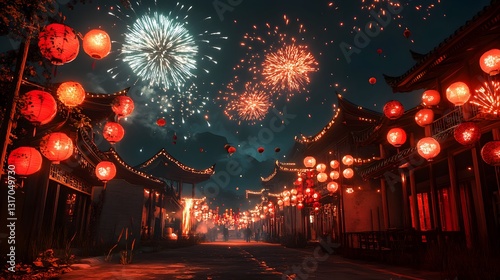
(488, 98)
(288, 68)
(162, 49)
(250, 106)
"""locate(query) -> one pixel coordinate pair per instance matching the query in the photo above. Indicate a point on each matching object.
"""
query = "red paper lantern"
(161, 122)
(424, 117)
(348, 173)
(231, 150)
(97, 44)
(407, 33)
(491, 153)
(260, 150)
(322, 177)
(467, 133)
(39, 107)
(56, 146)
(347, 160)
(490, 62)
(396, 136)
(458, 93)
(71, 94)
(277, 150)
(431, 97)
(334, 175)
(309, 162)
(105, 171)
(113, 132)
(26, 160)
(300, 205)
(332, 187)
(372, 80)
(393, 109)
(321, 167)
(316, 206)
(334, 164)
(58, 43)
(122, 106)
(428, 148)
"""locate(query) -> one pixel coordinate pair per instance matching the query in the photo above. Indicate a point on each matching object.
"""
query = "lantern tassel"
(34, 131)
(93, 65)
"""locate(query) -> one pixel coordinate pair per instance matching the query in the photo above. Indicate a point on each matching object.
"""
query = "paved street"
(241, 260)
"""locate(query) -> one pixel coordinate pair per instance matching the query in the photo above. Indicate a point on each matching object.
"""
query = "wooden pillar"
(161, 215)
(454, 192)
(383, 193)
(406, 212)
(436, 223)
(479, 203)
(414, 201)
(54, 211)
(150, 205)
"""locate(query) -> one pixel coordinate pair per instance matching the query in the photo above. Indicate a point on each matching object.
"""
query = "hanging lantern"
(428, 148)
(458, 93)
(260, 150)
(431, 97)
(122, 106)
(334, 164)
(372, 80)
(321, 167)
(407, 33)
(396, 137)
(71, 94)
(309, 162)
(316, 196)
(105, 171)
(39, 107)
(348, 173)
(490, 62)
(300, 205)
(393, 109)
(113, 132)
(231, 150)
(467, 133)
(491, 153)
(316, 206)
(27, 160)
(56, 146)
(161, 122)
(347, 160)
(322, 177)
(97, 44)
(334, 175)
(58, 43)
(424, 117)
(332, 187)
(277, 150)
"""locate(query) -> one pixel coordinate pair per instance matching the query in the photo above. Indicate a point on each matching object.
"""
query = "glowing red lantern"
(161, 122)
(467, 133)
(260, 150)
(27, 160)
(122, 106)
(458, 93)
(334, 175)
(56, 146)
(424, 117)
(396, 137)
(309, 162)
(321, 167)
(58, 43)
(332, 187)
(491, 153)
(231, 150)
(334, 164)
(407, 33)
(322, 177)
(300, 205)
(347, 160)
(428, 148)
(379, 51)
(372, 80)
(431, 97)
(348, 173)
(113, 132)
(490, 62)
(71, 94)
(39, 107)
(96, 43)
(393, 109)
(316, 206)
(105, 171)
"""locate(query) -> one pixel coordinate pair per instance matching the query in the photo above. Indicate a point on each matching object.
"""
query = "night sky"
(330, 27)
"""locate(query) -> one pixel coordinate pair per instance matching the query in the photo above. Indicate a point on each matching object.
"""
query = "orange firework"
(288, 68)
(488, 98)
(250, 106)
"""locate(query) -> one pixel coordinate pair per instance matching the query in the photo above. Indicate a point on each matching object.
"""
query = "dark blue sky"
(330, 28)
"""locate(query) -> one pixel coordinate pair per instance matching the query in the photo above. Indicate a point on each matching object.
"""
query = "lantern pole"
(6, 129)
